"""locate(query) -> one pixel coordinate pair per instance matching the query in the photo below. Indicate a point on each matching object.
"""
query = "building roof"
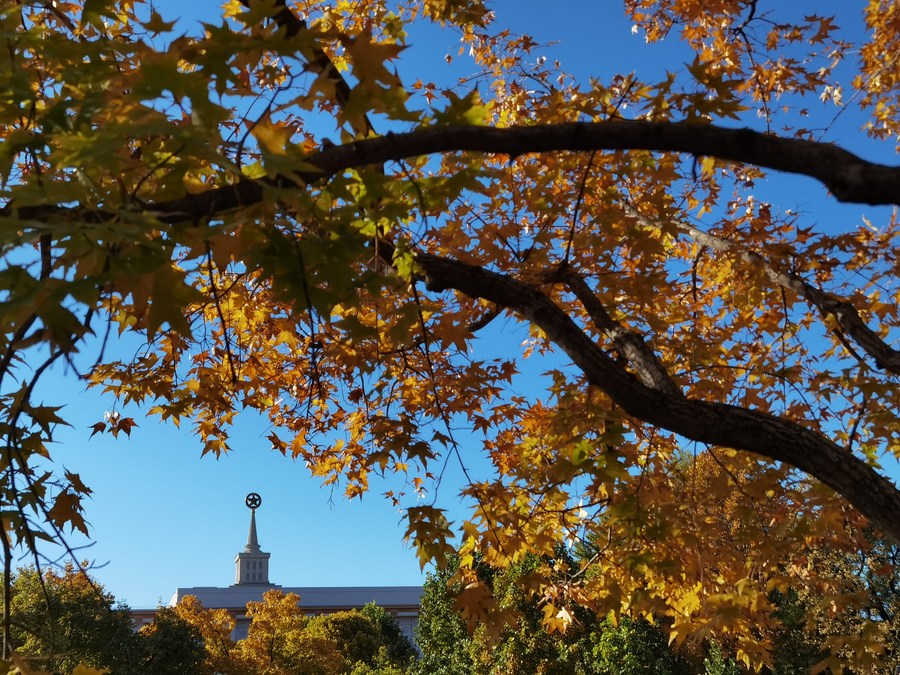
(252, 583)
(312, 599)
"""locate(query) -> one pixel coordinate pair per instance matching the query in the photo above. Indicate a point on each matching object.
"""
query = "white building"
(251, 580)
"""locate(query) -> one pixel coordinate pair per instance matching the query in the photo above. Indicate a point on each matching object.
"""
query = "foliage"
(277, 641)
(171, 645)
(796, 649)
(717, 663)
(282, 640)
(66, 621)
(63, 620)
(381, 665)
(441, 632)
(851, 615)
(632, 648)
(399, 649)
(178, 185)
(589, 646)
(215, 627)
(354, 635)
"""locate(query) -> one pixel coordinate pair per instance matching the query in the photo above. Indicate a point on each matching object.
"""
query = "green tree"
(587, 647)
(399, 649)
(796, 647)
(719, 663)
(62, 620)
(632, 648)
(441, 632)
(381, 666)
(357, 638)
(169, 645)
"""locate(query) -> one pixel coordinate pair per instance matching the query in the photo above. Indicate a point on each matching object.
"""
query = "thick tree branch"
(850, 323)
(845, 314)
(718, 424)
(849, 177)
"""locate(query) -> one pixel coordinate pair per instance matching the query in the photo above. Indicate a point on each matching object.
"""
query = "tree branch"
(718, 424)
(845, 314)
(850, 178)
(630, 344)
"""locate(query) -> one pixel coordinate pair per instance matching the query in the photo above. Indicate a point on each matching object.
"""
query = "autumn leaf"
(467, 109)
(429, 532)
(82, 669)
(76, 483)
(67, 509)
(95, 10)
(369, 58)
(272, 137)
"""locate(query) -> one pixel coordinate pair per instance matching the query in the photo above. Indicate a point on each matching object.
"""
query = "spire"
(252, 543)
(252, 564)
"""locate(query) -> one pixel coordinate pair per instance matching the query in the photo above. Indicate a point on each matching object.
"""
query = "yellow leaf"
(273, 137)
(82, 669)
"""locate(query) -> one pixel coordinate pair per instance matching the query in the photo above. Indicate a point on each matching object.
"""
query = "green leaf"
(171, 295)
(466, 110)
(95, 10)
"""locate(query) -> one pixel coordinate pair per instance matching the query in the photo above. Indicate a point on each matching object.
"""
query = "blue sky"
(162, 517)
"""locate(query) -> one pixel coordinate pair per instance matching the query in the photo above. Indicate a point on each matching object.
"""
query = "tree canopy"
(593, 646)
(297, 221)
(64, 622)
(64, 619)
(282, 640)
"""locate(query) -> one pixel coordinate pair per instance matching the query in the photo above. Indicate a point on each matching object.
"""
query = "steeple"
(252, 564)
(252, 543)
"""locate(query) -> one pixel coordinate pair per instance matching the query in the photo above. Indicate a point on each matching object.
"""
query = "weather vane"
(253, 501)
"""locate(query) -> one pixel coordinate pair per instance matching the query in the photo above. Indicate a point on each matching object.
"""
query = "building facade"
(251, 580)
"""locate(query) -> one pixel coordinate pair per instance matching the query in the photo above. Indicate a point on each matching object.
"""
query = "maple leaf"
(76, 483)
(67, 509)
(369, 58)
(125, 424)
(429, 531)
